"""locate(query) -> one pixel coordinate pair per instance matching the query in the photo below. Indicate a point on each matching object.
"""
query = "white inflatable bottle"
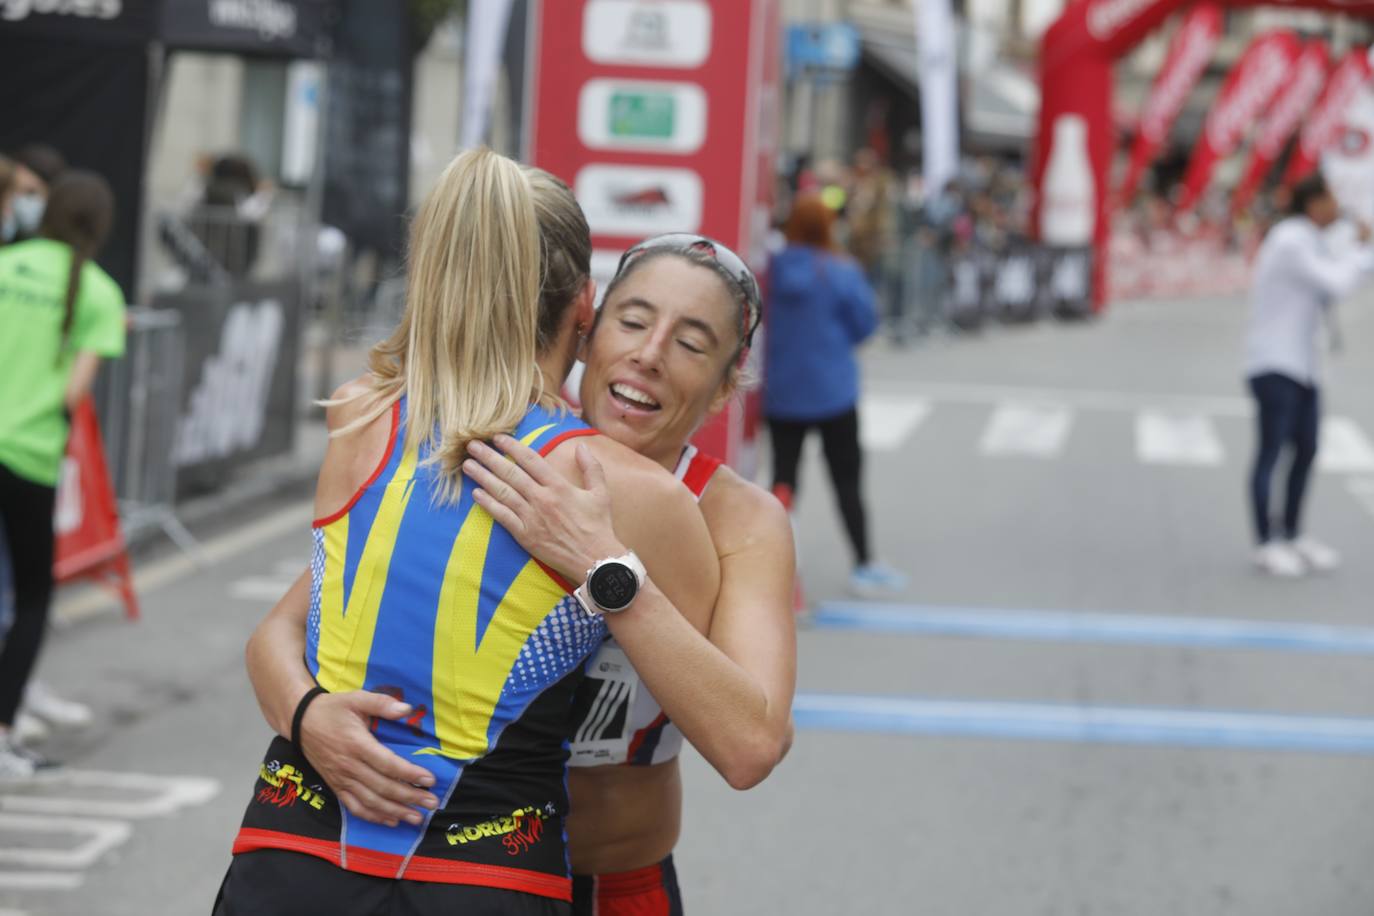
(1069, 203)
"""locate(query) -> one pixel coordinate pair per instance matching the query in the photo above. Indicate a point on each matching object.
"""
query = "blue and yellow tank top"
(439, 607)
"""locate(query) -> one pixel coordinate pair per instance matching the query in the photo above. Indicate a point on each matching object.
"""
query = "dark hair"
(236, 173)
(79, 213)
(43, 160)
(734, 367)
(1305, 192)
(811, 222)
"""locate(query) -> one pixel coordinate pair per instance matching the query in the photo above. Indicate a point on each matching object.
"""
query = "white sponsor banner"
(641, 116)
(486, 33)
(632, 201)
(659, 33)
(936, 44)
(604, 263)
(1348, 163)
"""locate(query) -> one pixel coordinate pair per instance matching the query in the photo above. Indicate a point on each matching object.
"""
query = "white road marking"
(1077, 398)
(1177, 439)
(157, 796)
(1035, 430)
(152, 576)
(37, 881)
(101, 837)
(886, 422)
(1344, 448)
(1362, 488)
(259, 588)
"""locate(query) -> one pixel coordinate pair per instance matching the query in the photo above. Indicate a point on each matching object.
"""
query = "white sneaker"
(48, 706)
(1279, 559)
(1317, 555)
(15, 765)
(29, 729)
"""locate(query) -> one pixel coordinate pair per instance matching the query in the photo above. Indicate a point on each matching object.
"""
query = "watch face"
(613, 586)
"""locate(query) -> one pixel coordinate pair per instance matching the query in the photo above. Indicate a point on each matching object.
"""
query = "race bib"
(602, 709)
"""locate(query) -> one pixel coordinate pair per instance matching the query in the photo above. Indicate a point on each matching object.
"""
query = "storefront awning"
(998, 104)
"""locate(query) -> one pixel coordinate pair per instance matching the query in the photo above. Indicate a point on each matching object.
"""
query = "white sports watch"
(612, 585)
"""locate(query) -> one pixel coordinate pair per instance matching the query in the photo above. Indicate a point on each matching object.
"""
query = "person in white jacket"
(1299, 276)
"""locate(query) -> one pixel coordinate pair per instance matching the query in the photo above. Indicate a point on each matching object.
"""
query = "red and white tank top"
(618, 721)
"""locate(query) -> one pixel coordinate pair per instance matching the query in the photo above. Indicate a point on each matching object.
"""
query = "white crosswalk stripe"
(1182, 435)
(1033, 430)
(1344, 448)
(886, 423)
(1163, 437)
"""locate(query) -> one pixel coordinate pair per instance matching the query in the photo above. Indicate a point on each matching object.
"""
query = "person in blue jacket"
(820, 309)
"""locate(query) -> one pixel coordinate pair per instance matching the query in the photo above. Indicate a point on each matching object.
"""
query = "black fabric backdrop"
(90, 106)
(75, 75)
(367, 150)
(277, 28)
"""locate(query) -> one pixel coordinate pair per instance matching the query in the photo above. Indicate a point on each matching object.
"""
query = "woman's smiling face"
(659, 357)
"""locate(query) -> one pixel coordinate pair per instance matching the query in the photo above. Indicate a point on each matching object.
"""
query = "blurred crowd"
(906, 233)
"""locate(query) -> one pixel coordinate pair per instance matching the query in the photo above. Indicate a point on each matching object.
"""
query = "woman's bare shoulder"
(740, 512)
(349, 402)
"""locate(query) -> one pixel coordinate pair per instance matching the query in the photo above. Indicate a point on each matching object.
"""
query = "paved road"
(1085, 703)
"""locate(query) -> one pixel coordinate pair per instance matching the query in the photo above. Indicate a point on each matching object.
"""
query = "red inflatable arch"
(1075, 139)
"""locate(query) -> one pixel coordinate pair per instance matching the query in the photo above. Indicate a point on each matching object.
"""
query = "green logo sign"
(642, 114)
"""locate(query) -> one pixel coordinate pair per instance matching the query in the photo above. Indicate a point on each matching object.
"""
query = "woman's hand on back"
(566, 526)
(370, 780)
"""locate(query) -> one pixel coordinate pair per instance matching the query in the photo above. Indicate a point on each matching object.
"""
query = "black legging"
(26, 510)
(1288, 412)
(840, 439)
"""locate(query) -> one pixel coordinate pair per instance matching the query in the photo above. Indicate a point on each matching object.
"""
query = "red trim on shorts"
(699, 472)
(420, 868)
(631, 883)
(386, 459)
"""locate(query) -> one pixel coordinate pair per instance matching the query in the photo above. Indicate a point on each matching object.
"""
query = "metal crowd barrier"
(138, 401)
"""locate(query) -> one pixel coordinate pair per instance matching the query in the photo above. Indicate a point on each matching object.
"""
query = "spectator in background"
(820, 309)
(59, 315)
(229, 215)
(873, 231)
(37, 166)
(1298, 280)
(8, 227)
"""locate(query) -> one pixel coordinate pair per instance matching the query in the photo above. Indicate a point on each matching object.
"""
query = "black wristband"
(300, 713)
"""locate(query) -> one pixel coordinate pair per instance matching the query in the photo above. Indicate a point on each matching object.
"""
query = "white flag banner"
(1348, 163)
(937, 61)
(486, 36)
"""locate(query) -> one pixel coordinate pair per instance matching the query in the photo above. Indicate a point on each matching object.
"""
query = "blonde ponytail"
(464, 354)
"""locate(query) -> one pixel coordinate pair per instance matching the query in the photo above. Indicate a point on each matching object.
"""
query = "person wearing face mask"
(60, 314)
(37, 166)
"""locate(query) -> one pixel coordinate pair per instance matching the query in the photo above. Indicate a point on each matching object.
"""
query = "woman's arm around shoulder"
(754, 623)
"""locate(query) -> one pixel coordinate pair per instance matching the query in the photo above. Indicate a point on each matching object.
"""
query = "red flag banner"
(90, 543)
(1323, 125)
(1188, 56)
(1249, 88)
(1285, 114)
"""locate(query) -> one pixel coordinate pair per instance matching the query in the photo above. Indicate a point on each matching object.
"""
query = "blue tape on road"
(1059, 626)
(1095, 724)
